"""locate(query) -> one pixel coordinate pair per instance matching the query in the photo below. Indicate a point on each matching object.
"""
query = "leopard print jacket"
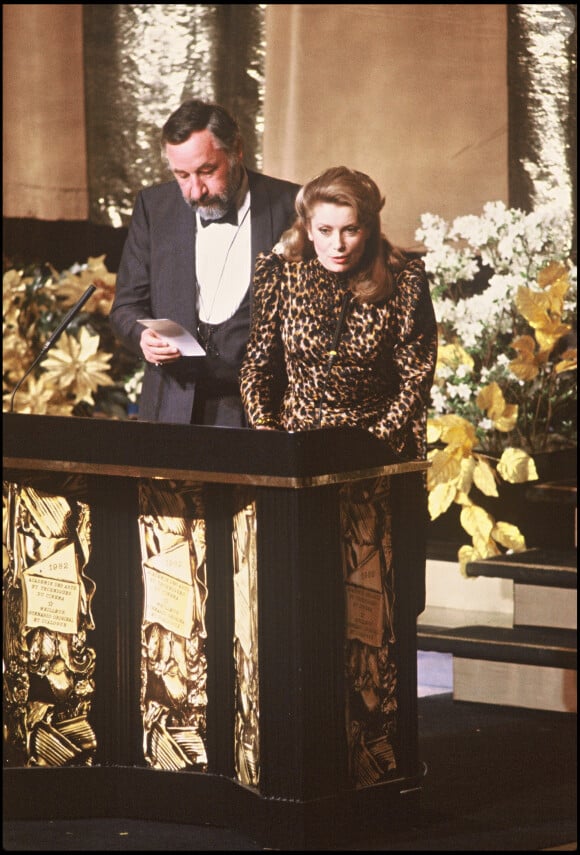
(385, 359)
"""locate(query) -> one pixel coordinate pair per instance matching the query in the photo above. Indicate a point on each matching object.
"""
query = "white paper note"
(175, 334)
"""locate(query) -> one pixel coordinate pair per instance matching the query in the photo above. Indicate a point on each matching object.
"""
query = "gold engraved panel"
(173, 630)
(48, 665)
(371, 670)
(246, 644)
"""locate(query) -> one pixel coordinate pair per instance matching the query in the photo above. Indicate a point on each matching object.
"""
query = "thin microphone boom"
(46, 347)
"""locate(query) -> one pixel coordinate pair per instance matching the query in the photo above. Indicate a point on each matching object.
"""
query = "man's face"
(207, 176)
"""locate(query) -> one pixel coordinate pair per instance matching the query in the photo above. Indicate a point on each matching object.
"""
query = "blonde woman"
(343, 331)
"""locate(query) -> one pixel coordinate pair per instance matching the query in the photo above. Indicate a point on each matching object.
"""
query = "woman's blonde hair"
(373, 279)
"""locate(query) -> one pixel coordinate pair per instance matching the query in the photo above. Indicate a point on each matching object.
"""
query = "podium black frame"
(303, 796)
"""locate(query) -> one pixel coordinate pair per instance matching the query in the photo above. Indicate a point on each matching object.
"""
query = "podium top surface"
(189, 452)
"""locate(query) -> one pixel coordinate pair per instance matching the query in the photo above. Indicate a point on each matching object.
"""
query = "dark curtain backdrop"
(542, 84)
(447, 106)
(141, 62)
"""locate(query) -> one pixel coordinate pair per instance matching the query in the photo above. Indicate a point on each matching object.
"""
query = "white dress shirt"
(223, 263)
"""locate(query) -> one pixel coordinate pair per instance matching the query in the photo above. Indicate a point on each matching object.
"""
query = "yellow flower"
(13, 287)
(17, 357)
(78, 366)
(70, 287)
(39, 397)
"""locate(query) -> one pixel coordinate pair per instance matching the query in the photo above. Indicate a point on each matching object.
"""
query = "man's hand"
(156, 350)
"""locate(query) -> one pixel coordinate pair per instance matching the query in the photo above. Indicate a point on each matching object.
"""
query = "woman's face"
(339, 240)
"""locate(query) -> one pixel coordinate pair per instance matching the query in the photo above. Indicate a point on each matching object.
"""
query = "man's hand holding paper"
(164, 340)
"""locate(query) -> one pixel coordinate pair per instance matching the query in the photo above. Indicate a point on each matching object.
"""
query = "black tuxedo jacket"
(156, 279)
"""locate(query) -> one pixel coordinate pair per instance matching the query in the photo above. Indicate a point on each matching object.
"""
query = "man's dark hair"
(195, 115)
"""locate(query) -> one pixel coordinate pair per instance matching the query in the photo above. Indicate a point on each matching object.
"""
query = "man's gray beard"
(219, 205)
(215, 210)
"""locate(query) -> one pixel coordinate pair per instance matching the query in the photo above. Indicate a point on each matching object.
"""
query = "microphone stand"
(53, 338)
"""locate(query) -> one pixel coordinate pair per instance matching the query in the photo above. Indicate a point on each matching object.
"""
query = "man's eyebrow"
(207, 165)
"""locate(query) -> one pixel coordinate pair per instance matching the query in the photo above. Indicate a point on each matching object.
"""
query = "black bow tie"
(230, 216)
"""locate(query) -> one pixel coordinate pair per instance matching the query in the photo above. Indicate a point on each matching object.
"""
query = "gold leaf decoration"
(477, 522)
(568, 362)
(78, 365)
(454, 355)
(484, 478)
(485, 547)
(444, 468)
(441, 498)
(39, 397)
(526, 365)
(433, 431)
(509, 536)
(508, 419)
(516, 466)
(550, 334)
(465, 555)
(35, 301)
(533, 305)
(552, 273)
(491, 400)
(465, 479)
(457, 431)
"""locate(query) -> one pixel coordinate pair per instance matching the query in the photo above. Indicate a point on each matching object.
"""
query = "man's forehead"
(199, 151)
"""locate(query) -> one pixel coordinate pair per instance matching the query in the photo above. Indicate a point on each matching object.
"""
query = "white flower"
(134, 383)
(439, 400)
(463, 391)
(480, 269)
(433, 230)
(444, 372)
(485, 424)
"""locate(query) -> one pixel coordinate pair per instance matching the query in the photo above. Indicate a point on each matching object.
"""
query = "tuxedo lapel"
(183, 264)
(261, 213)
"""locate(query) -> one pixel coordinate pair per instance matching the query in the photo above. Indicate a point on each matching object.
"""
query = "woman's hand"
(265, 423)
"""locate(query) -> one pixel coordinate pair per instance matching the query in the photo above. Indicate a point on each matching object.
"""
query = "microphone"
(55, 335)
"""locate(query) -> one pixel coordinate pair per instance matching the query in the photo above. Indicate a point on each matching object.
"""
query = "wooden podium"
(210, 625)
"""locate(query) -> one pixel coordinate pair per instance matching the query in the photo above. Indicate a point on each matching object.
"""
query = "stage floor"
(498, 779)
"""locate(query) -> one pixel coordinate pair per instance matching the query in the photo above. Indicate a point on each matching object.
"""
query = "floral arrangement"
(87, 372)
(504, 291)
